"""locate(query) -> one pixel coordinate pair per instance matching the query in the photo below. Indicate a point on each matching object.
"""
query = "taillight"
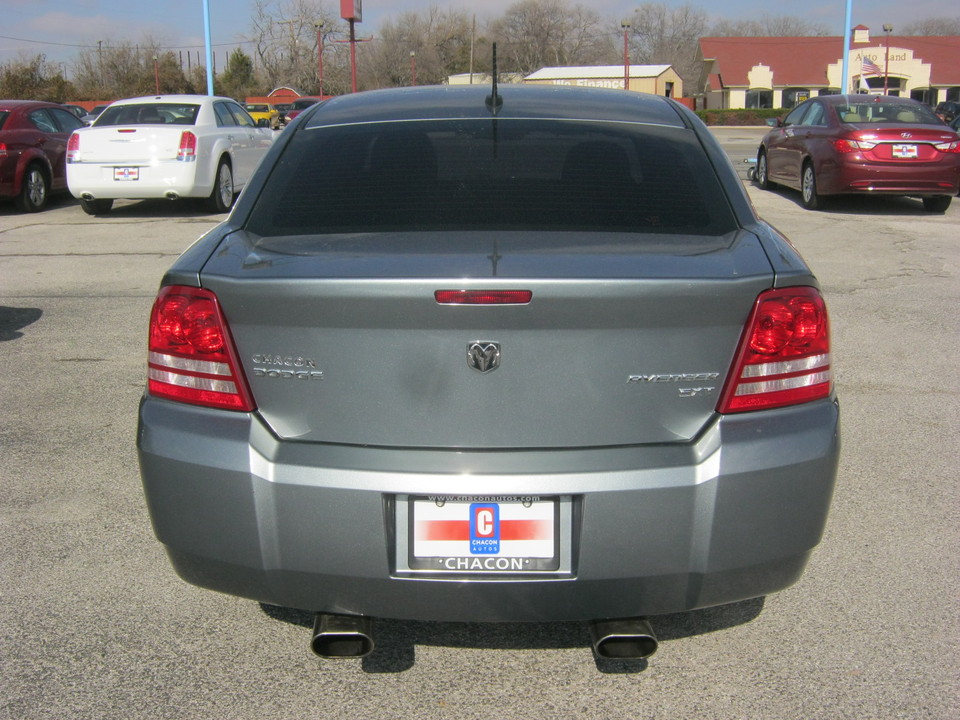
(73, 148)
(848, 145)
(784, 354)
(192, 358)
(949, 147)
(187, 152)
(3, 149)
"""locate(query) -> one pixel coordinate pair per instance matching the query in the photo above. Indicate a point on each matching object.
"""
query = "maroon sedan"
(33, 147)
(869, 144)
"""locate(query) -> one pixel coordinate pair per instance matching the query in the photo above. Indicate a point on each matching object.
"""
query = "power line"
(91, 47)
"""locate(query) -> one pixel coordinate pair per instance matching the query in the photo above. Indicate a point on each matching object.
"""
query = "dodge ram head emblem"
(483, 356)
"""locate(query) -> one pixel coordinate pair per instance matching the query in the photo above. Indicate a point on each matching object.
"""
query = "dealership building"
(779, 72)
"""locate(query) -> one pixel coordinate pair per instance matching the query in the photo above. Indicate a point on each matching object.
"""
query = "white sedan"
(167, 146)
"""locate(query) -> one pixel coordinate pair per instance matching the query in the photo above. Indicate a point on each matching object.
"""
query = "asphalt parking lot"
(94, 623)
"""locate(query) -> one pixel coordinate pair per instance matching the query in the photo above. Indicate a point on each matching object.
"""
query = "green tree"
(237, 80)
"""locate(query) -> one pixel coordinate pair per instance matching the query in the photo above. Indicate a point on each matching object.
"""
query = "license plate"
(126, 174)
(480, 535)
(905, 151)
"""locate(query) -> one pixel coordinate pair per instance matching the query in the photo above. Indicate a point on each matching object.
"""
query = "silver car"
(463, 354)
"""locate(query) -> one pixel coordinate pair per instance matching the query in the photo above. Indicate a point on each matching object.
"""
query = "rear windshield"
(149, 114)
(258, 108)
(886, 112)
(483, 174)
(3, 117)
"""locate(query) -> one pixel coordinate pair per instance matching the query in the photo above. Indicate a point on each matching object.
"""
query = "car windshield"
(509, 174)
(149, 114)
(258, 108)
(886, 112)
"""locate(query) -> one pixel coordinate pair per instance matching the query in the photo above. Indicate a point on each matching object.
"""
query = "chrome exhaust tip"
(342, 636)
(625, 639)
(171, 195)
(86, 196)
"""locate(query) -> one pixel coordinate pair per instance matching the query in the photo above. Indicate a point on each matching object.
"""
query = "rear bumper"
(155, 180)
(942, 178)
(654, 529)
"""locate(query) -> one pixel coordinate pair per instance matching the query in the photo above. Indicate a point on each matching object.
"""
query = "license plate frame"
(905, 151)
(534, 533)
(126, 174)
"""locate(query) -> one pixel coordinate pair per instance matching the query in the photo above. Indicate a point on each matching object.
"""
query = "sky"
(60, 29)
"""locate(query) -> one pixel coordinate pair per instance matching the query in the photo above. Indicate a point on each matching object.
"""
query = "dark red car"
(299, 105)
(868, 144)
(33, 147)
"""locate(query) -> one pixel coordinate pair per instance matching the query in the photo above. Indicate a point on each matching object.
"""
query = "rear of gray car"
(455, 357)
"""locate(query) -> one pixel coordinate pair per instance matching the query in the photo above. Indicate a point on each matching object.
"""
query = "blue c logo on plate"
(484, 529)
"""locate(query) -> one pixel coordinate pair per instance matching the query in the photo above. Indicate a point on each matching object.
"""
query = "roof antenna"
(494, 101)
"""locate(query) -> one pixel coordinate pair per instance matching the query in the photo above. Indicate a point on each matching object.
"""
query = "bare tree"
(660, 34)
(933, 26)
(433, 45)
(34, 78)
(769, 26)
(537, 33)
(284, 33)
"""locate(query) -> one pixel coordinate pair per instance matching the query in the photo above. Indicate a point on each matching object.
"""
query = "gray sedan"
(474, 354)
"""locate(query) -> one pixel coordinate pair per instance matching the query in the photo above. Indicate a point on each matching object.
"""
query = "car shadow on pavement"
(396, 640)
(890, 205)
(13, 319)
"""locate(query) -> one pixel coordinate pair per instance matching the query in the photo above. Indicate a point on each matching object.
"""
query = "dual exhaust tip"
(351, 636)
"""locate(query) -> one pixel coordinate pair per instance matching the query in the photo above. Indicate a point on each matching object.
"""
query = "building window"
(828, 91)
(924, 95)
(759, 99)
(794, 96)
(953, 94)
(669, 92)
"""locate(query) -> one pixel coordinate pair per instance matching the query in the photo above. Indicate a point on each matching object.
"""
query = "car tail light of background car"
(187, 152)
(192, 358)
(784, 354)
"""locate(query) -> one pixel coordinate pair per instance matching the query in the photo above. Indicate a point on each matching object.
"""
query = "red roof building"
(779, 72)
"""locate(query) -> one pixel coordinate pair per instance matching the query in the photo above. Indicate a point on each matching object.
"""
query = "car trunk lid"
(626, 339)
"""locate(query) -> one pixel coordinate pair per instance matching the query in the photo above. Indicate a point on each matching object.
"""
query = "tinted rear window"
(3, 117)
(886, 112)
(485, 175)
(149, 114)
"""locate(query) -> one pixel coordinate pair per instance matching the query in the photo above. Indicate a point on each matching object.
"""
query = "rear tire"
(96, 207)
(808, 188)
(937, 204)
(221, 199)
(763, 172)
(34, 191)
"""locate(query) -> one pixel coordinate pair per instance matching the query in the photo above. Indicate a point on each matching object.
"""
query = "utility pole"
(626, 54)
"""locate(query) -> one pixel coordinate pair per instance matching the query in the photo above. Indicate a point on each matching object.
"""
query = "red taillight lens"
(949, 147)
(187, 152)
(784, 354)
(192, 358)
(848, 145)
(3, 149)
(73, 148)
(483, 297)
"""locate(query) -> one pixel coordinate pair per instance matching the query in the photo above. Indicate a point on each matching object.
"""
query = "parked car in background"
(283, 109)
(80, 112)
(265, 112)
(33, 148)
(299, 105)
(166, 146)
(474, 356)
(948, 111)
(869, 144)
(89, 118)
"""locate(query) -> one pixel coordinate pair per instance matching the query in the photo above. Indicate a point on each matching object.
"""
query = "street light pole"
(887, 29)
(320, 57)
(413, 67)
(156, 73)
(626, 55)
